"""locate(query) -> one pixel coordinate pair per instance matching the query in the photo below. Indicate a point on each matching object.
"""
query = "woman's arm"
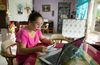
(23, 50)
(45, 40)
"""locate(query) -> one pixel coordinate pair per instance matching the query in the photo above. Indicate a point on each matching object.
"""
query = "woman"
(28, 39)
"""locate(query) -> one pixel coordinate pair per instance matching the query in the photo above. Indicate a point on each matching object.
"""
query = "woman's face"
(38, 23)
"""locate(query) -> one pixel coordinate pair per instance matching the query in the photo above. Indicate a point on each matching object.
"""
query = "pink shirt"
(22, 37)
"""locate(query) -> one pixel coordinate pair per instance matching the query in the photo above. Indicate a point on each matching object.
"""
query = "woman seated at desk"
(27, 40)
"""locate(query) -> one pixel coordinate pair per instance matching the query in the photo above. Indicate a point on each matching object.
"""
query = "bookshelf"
(63, 12)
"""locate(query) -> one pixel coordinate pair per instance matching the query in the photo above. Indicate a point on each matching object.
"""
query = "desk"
(96, 46)
(92, 52)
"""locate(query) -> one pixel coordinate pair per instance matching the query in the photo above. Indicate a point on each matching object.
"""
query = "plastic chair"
(59, 38)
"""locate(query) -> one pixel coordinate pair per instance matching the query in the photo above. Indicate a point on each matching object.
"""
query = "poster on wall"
(19, 10)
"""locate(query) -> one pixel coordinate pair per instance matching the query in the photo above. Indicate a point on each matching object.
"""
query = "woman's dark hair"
(33, 16)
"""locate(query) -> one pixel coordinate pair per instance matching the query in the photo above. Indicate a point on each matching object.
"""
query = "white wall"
(12, 9)
(54, 6)
(14, 16)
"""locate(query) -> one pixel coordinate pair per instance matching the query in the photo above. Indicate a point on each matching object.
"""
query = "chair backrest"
(69, 50)
(7, 52)
(5, 44)
(57, 38)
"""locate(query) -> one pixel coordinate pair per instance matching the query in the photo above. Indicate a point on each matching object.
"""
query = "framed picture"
(45, 8)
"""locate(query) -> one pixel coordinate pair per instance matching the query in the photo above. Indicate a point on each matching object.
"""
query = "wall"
(14, 16)
(54, 6)
(13, 10)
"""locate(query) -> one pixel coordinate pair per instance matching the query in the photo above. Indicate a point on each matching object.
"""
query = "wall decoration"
(45, 8)
(20, 8)
(28, 9)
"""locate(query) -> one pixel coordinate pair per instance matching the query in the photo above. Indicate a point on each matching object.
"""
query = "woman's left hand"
(47, 41)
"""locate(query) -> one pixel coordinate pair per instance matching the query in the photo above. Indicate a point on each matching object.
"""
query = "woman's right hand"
(41, 48)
